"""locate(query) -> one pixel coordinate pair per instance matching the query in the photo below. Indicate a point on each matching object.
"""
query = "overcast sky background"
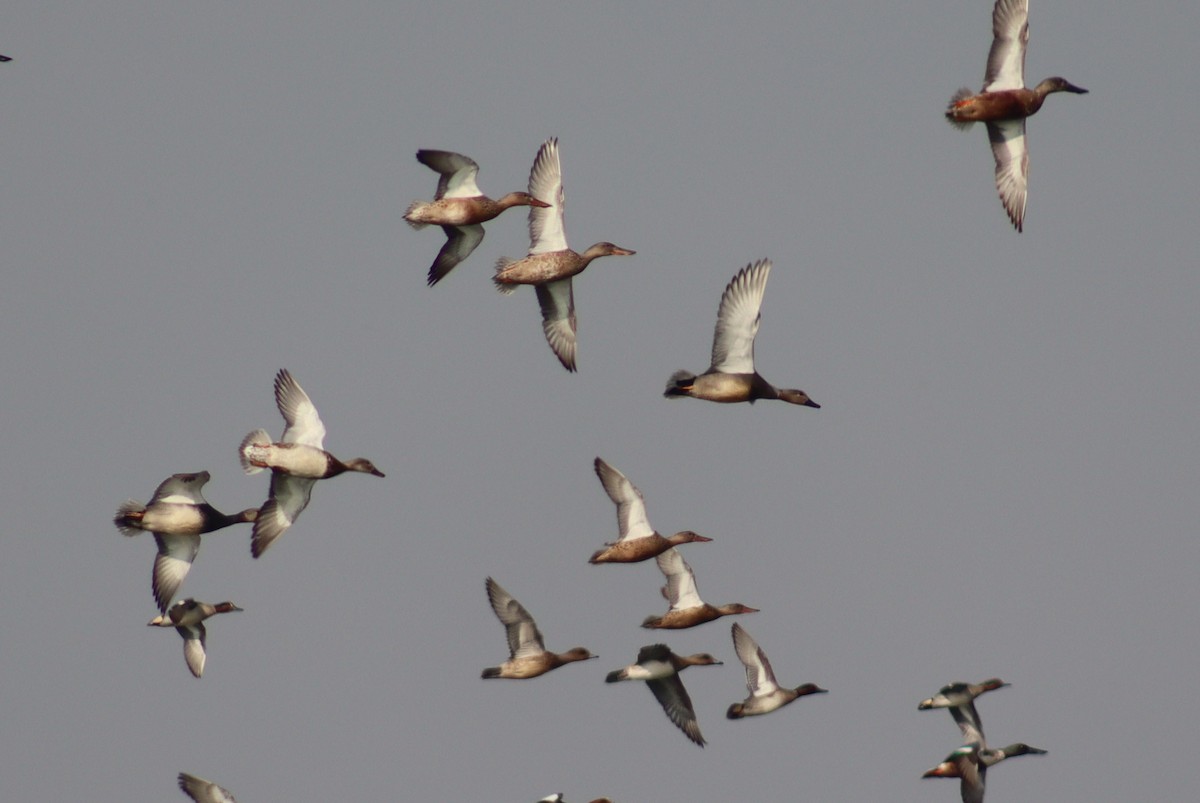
(1001, 481)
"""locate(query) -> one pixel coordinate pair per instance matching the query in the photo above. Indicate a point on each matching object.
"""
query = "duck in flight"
(177, 514)
(187, 617)
(638, 541)
(766, 695)
(970, 764)
(527, 653)
(550, 264)
(459, 208)
(959, 697)
(297, 460)
(660, 668)
(686, 609)
(1005, 102)
(731, 376)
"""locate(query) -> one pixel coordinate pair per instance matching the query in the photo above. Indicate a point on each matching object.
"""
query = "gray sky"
(1002, 480)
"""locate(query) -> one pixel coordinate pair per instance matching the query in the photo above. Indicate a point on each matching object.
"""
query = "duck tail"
(248, 451)
(615, 676)
(129, 517)
(679, 383)
(501, 264)
(491, 672)
(409, 216)
(951, 113)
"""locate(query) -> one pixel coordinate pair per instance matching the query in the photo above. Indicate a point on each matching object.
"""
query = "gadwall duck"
(765, 693)
(459, 208)
(731, 377)
(527, 653)
(203, 791)
(686, 607)
(970, 764)
(187, 617)
(638, 541)
(296, 461)
(178, 515)
(550, 263)
(1004, 104)
(959, 697)
(660, 668)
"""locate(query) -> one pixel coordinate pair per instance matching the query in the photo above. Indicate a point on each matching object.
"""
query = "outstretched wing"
(524, 639)
(303, 423)
(738, 319)
(680, 589)
(545, 183)
(1010, 35)
(460, 242)
(456, 173)
(557, 300)
(631, 507)
(1012, 166)
(760, 679)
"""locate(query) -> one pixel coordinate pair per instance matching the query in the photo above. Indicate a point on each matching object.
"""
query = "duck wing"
(546, 231)
(203, 791)
(680, 589)
(1012, 166)
(974, 775)
(524, 638)
(760, 679)
(456, 173)
(631, 506)
(304, 425)
(738, 319)
(289, 496)
(1010, 35)
(171, 565)
(677, 705)
(194, 637)
(182, 489)
(968, 721)
(460, 242)
(557, 300)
